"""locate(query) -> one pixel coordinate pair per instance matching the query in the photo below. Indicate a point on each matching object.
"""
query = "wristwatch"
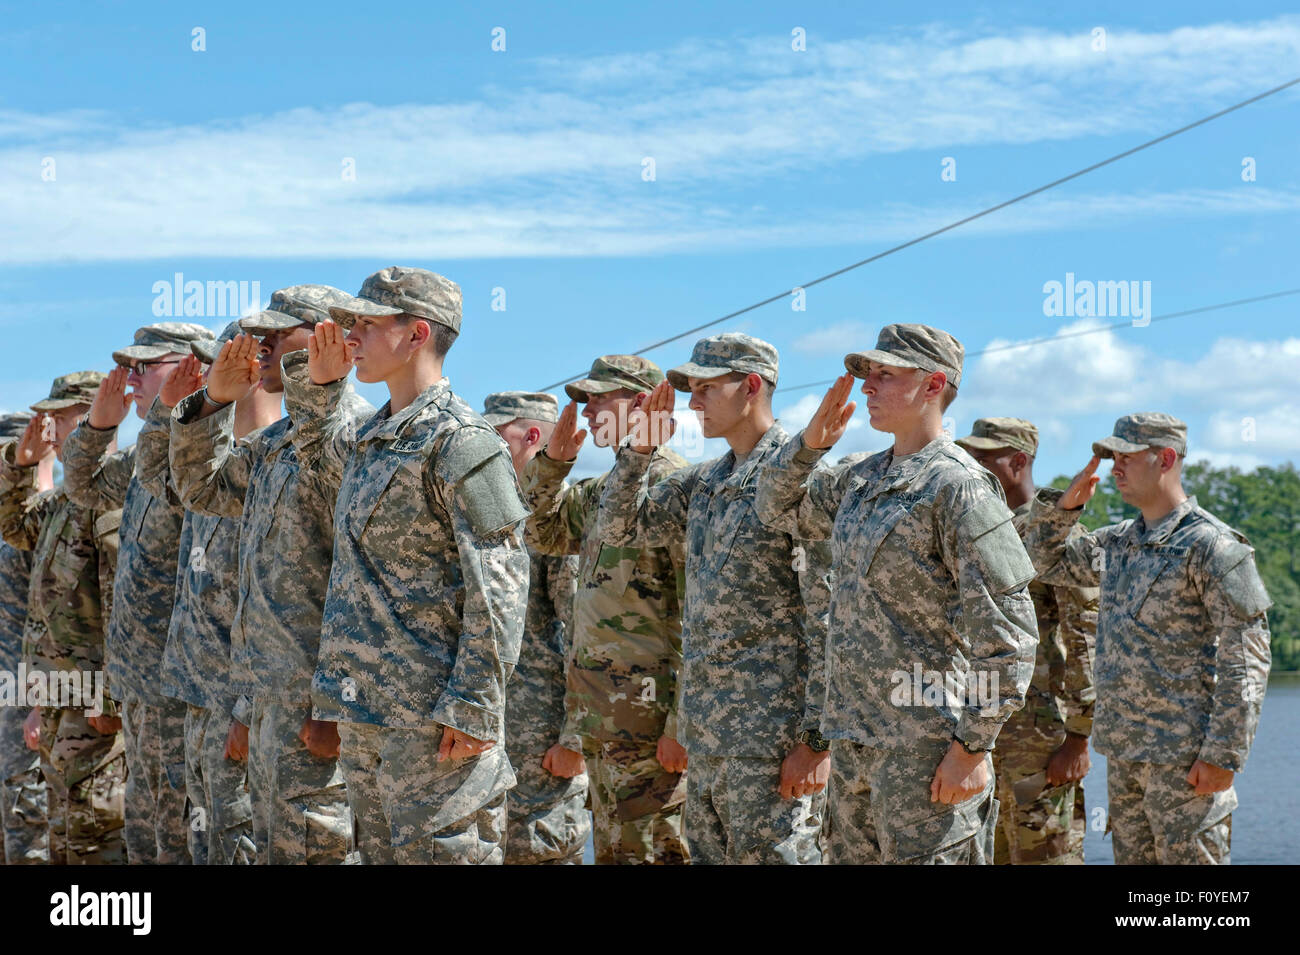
(974, 751)
(814, 740)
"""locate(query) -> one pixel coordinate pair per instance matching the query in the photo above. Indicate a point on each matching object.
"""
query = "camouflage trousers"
(23, 822)
(411, 809)
(1039, 824)
(636, 806)
(735, 814)
(1156, 817)
(221, 810)
(156, 830)
(880, 810)
(547, 818)
(85, 787)
(300, 805)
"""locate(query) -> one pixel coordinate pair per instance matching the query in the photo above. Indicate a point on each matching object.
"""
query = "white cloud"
(553, 168)
(837, 339)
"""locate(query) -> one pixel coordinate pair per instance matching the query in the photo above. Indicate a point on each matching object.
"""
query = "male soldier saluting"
(286, 513)
(754, 625)
(1042, 752)
(627, 645)
(95, 476)
(1182, 644)
(197, 667)
(929, 589)
(548, 821)
(82, 758)
(24, 830)
(426, 600)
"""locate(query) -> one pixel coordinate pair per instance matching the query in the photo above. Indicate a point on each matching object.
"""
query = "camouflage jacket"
(1061, 690)
(197, 665)
(626, 648)
(932, 630)
(425, 608)
(72, 571)
(286, 532)
(145, 589)
(1182, 640)
(15, 583)
(754, 620)
(535, 696)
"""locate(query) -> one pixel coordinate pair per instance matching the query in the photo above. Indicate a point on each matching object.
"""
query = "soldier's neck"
(1162, 503)
(916, 435)
(410, 380)
(45, 473)
(257, 410)
(1019, 494)
(744, 437)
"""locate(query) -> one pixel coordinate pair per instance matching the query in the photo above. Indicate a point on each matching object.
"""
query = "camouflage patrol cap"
(612, 372)
(502, 407)
(912, 346)
(77, 388)
(161, 339)
(989, 434)
(207, 351)
(1146, 429)
(396, 290)
(723, 354)
(294, 306)
(13, 424)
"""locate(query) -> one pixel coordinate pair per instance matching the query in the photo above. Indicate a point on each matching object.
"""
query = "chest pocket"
(726, 514)
(864, 527)
(284, 469)
(393, 472)
(1154, 575)
(133, 517)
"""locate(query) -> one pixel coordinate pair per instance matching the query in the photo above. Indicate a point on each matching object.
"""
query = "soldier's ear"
(534, 436)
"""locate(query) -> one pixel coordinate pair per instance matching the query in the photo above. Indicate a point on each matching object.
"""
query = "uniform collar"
(1159, 533)
(386, 425)
(726, 469)
(903, 471)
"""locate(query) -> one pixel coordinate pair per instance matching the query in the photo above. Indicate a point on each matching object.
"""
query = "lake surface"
(1266, 825)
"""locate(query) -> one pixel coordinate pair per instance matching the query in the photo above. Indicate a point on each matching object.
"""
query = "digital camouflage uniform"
(626, 650)
(425, 608)
(753, 631)
(1182, 656)
(1040, 823)
(932, 630)
(547, 819)
(153, 726)
(196, 668)
(285, 514)
(73, 550)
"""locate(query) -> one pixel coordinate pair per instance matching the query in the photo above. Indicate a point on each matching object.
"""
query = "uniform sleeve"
(92, 477)
(561, 588)
(560, 510)
(209, 468)
(987, 560)
(21, 507)
(472, 474)
(795, 496)
(1062, 552)
(1077, 626)
(1235, 598)
(153, 454)
(634, 514)
(815, 581)
(324, 434)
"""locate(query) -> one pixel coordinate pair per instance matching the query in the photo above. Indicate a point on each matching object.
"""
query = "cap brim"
(677, 377)
(981, 444)
(856, 362)
(58, 404)
(499, 418)
(265, 324)
(142, 353)
(206, 352)
(347, 313)
(583, 390)
(1106, 447)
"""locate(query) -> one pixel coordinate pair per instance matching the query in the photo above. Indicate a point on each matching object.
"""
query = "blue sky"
(523, 170)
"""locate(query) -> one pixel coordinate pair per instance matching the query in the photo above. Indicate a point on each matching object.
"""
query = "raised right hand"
(235, 371)
(35, 443)
(111, 404)
(1082, 488)
(832, 418)
(328, 358)
(185, 379)
(566, 439)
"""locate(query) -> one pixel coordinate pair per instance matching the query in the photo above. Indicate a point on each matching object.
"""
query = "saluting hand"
(832, 417)
(186, 377)
(235, 371)
(651, 420)
(1082, 488)
(111, 404)
(37, 441)
(566, 439)
(458, 745)
(329, 357)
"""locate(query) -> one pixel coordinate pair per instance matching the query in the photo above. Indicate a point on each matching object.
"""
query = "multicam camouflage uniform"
(196, 668)
(626, 650)
(753, 631)
(1182, 656)
(547, 819)
(84, 770)
(153, 725)
(285, 513)
(425, 608)
(932, 631)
